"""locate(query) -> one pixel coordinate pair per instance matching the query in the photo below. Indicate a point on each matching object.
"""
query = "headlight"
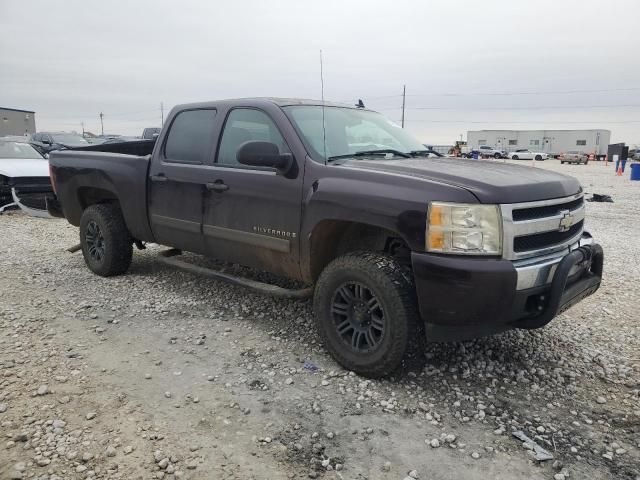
(464, 229)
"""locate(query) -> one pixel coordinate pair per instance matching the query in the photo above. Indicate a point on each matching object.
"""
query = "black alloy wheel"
(358, 317)
(95, 241)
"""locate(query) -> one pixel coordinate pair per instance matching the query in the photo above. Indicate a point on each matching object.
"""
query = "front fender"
(397, 203)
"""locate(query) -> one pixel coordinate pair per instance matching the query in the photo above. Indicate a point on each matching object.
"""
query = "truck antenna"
(324, 129)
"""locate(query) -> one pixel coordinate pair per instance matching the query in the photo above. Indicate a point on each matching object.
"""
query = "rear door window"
(191, 137)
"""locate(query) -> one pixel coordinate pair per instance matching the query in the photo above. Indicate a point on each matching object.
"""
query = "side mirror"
(264, 154)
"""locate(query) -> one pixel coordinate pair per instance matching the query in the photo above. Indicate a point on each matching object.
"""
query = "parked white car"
(525, 154)
(24, 178)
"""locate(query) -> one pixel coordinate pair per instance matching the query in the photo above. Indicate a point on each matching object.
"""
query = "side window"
(244, 125)
(190, 139)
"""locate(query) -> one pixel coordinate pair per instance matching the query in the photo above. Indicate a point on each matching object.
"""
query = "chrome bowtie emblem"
(566, 221)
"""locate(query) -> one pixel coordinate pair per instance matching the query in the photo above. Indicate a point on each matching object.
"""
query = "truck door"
(252, 214)
(176, 184)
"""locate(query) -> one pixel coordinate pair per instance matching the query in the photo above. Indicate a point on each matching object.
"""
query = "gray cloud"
(71, 60)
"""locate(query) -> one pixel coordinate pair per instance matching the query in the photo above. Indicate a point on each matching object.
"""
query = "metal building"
(549, 141)
(17, 122)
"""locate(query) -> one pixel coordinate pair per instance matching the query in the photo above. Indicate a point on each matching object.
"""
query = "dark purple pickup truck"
(389, 241)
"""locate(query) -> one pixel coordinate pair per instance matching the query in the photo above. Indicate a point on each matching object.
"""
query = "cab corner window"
(245, 125)
(190, 139)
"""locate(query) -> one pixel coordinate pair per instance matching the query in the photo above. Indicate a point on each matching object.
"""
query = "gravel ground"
(162, 374)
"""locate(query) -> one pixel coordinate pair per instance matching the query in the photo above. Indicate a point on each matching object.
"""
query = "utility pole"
(102, 123)
(162, 113)
(82, 124)
(404, 94)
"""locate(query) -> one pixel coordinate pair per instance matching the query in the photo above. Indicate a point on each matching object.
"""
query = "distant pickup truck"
(390, 243)
(574, 156)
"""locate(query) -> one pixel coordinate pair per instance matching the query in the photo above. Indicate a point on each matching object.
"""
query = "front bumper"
(462, 298)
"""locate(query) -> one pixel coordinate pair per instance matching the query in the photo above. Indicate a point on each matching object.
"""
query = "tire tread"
(117, 236)
(382, 268)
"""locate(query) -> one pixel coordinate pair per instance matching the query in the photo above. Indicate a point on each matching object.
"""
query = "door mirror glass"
(264, 154)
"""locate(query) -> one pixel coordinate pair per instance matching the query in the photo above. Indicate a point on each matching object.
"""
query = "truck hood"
(24, 167)
(490, 182)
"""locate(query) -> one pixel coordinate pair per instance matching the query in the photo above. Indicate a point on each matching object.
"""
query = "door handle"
(217, 186)
(159, 178)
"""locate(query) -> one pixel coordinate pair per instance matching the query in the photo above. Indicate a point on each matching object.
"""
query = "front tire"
(106, 243)
(365, 309)
(514, 157)
(496, 156)
(538, 157)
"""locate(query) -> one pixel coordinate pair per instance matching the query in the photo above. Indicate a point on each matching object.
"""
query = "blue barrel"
(635, 171)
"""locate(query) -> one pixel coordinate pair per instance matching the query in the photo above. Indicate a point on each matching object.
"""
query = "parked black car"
(391, 242)
(46, 142)
(150, 133)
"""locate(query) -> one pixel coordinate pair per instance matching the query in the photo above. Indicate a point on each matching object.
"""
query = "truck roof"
(282, 102)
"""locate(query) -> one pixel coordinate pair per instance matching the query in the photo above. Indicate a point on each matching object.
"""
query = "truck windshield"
(18, 150)
(349, 131)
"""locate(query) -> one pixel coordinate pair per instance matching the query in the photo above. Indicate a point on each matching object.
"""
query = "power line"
(548, 107)
(541, 92)
(118, 114)
(529, 122)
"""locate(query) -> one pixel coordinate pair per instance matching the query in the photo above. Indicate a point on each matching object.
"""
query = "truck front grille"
(539, 228)
(545, 239)
(532, 213)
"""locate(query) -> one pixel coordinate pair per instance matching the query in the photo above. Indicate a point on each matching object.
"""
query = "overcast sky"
(466, 64)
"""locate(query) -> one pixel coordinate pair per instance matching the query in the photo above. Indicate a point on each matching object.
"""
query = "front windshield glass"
(70, 139)
(18, 150)
(348, 131)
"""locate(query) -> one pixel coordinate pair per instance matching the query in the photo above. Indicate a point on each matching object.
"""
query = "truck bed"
(139, 148)
(80, 176)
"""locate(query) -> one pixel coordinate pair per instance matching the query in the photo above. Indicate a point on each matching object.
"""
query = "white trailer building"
(552, 142)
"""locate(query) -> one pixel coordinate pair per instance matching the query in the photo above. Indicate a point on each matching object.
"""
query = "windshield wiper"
(365, 153)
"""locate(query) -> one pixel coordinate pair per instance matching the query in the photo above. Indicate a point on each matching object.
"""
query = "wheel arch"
(332, 238)
(88, 196)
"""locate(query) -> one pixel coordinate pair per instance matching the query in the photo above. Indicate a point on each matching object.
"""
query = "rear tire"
(496, 155)
(515, 157)
(538, 157)
(106, 243)
(365, 309)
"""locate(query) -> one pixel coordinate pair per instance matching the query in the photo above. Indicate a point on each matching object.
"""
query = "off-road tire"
(117, 241)
(393, 287)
